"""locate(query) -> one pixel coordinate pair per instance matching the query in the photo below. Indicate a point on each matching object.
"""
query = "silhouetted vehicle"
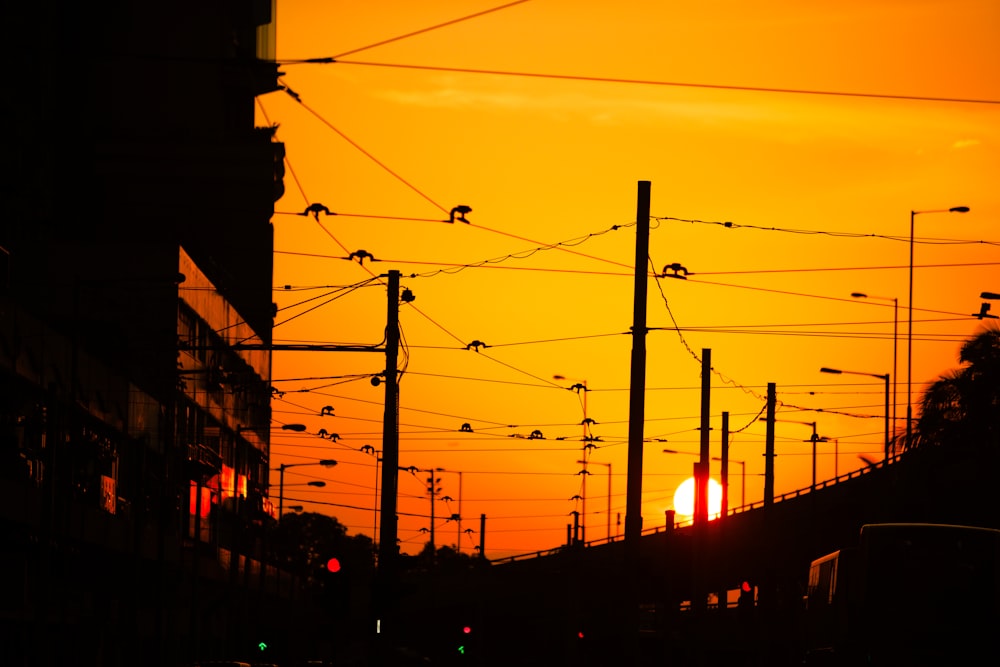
(906, 594)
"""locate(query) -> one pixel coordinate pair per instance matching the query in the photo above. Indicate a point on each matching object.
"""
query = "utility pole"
(628, 618)
(769, 446)
(390, 434)
(724, 478)
(701, 480)
(724, 467)
(433, 490)
(637, 386)
(482, 536)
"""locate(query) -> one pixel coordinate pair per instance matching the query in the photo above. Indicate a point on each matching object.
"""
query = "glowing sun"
(684, 498)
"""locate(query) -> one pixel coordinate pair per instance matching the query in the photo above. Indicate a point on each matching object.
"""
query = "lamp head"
(958, 209)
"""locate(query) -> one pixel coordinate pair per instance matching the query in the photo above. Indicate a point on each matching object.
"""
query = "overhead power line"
(424, 30)
(648, 82)
(823, 232)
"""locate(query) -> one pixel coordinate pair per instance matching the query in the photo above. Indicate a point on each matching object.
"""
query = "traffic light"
(334, 582)
(747, 595)
(465, 640)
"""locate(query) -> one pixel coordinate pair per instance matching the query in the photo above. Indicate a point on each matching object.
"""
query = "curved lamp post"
(328, 463)
(885, 378)
(895, 346)
(909, 308)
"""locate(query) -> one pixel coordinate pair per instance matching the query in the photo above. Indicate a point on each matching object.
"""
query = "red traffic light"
(746, 587)
(466, 629)
(333, 565)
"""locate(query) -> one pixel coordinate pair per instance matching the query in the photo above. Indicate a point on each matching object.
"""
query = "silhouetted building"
(135, 254)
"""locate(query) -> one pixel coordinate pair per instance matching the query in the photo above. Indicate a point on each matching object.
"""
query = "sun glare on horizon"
(684, 498)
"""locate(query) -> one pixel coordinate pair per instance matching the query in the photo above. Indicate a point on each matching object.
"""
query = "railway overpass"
(580, 605)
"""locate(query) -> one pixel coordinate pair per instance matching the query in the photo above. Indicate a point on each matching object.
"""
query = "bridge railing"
(875, 465)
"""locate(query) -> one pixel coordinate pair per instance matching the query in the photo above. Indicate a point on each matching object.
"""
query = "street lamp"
(327, 463)
(909, 308)
(895, 345)
(885, 378)
(743, 479)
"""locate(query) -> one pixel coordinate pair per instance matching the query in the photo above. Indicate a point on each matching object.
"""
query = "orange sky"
(547, 160)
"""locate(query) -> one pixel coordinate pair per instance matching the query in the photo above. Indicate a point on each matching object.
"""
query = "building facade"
(136, 254)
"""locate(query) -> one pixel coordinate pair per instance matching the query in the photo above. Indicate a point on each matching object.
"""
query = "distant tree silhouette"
(445, 560)
(962, 408)
(304, 543)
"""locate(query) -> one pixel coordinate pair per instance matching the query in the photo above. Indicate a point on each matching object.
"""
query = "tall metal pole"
(608, 466)
(743, 483)
(432, 488)
(769, 446)
(586, 452)
(458, 540)
(909, 335)
(628, 619)
(724, 471)
(886, 376)
(909, 343)
(724, 508)
(701, 480)
(390, 431)
(378, 459)
(637, 386)
(609, 502)
(482, 536)
(895, 372)
(281, 489)
(813, 439)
